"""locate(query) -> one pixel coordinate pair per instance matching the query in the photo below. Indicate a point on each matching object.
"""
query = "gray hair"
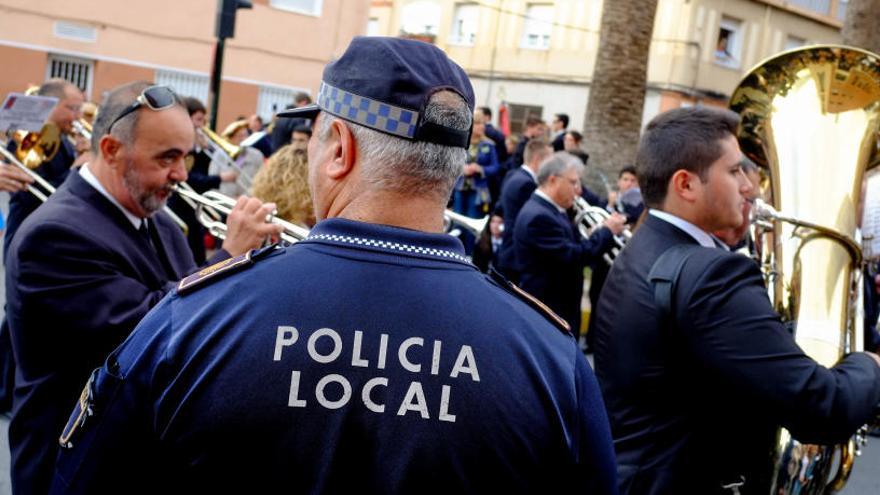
(412, 167)
(116, 102)
(56, 87)
(557, 164)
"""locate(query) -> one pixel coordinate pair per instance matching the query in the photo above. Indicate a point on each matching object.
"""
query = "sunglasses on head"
(154, 98)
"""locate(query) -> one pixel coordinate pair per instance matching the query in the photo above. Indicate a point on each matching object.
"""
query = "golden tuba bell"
(810, 118)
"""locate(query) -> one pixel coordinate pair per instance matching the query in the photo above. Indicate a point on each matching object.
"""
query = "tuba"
(810, 118)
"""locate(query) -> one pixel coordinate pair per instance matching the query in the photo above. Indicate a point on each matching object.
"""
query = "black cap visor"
(306, 112)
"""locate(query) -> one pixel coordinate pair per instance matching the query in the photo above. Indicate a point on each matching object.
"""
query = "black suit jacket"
(694, 400)
(79, 278)
(497, 137)
(517, 189)
(23, 203)
(552, 255)
(559, 142)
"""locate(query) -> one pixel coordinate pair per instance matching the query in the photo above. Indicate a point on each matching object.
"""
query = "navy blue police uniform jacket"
(23, 203)
(516, 190)
(694, 398)
(367, 359)
(552, 254)
(78, 280)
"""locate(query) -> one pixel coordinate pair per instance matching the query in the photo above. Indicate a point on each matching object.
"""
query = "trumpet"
(473, 225)
(588, 218)
(211, 206)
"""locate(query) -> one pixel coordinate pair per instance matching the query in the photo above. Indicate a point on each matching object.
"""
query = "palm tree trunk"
(860, 28)
(617, 91)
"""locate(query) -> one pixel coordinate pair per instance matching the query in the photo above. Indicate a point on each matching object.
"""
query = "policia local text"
(414, 400)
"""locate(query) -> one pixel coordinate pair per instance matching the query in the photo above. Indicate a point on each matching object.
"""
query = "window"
(420, 18)
(792, 42)
(184, 83)
(73, 31)
(841, 9)
(273, 99)
(538, 26)
(519, 114)
(79, 71)
(373, 27)
(464, 24)
(818, 6)
(728, 47)
(308, 7)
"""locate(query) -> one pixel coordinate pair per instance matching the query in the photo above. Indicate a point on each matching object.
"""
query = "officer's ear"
(344, 153)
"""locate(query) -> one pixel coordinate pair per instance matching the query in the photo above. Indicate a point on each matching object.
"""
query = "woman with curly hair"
(284, 181)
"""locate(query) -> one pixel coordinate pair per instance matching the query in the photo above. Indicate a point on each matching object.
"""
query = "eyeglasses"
(155, 98)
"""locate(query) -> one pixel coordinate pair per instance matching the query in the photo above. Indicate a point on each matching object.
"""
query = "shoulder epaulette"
(532, 301)
(221, 269)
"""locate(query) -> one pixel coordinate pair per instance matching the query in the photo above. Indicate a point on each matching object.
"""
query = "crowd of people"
(381, 354)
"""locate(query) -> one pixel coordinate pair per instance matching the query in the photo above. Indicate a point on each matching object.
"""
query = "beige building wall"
(133, 39)
(683, 68)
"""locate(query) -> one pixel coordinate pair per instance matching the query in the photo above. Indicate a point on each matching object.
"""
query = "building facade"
(538, 55)
(280, 47)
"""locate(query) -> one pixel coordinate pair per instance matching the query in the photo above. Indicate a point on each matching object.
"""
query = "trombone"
(588, 217)
(212, 204)
(47, 189)
(225, 152)
(473, 225)
(83, 128)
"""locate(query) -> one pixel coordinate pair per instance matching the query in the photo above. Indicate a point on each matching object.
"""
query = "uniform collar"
(388, 239)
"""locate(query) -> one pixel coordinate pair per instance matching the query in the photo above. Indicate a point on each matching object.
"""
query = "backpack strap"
(664, 273)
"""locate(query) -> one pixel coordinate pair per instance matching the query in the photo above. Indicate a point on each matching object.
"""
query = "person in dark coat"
(91, 262)
(559, 127)
(517, 189)
(550, 252)
(342, 363)
(697, 377)
(54, 170)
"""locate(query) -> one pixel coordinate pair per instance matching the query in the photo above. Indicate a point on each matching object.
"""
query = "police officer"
(361, 358)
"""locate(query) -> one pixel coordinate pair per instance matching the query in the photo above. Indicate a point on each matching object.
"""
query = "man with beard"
(91, 262)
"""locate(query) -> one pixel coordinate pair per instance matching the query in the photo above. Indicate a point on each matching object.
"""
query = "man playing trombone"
(55, 168)
(90, 263)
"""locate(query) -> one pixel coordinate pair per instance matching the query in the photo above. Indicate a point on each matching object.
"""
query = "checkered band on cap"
(368, 113)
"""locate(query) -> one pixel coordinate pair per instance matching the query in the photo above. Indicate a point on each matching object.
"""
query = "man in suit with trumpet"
(93, 260)
(361, 358)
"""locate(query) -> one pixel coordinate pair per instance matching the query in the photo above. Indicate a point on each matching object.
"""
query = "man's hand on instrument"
(246, 226)
(615, 223)
(13, 179)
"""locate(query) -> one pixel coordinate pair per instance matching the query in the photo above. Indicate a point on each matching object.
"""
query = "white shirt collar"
(543, 195)
(530, 172)
(89, 177)
(699, 235)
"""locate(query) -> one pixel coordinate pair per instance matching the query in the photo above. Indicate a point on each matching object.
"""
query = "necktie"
(144, 232)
